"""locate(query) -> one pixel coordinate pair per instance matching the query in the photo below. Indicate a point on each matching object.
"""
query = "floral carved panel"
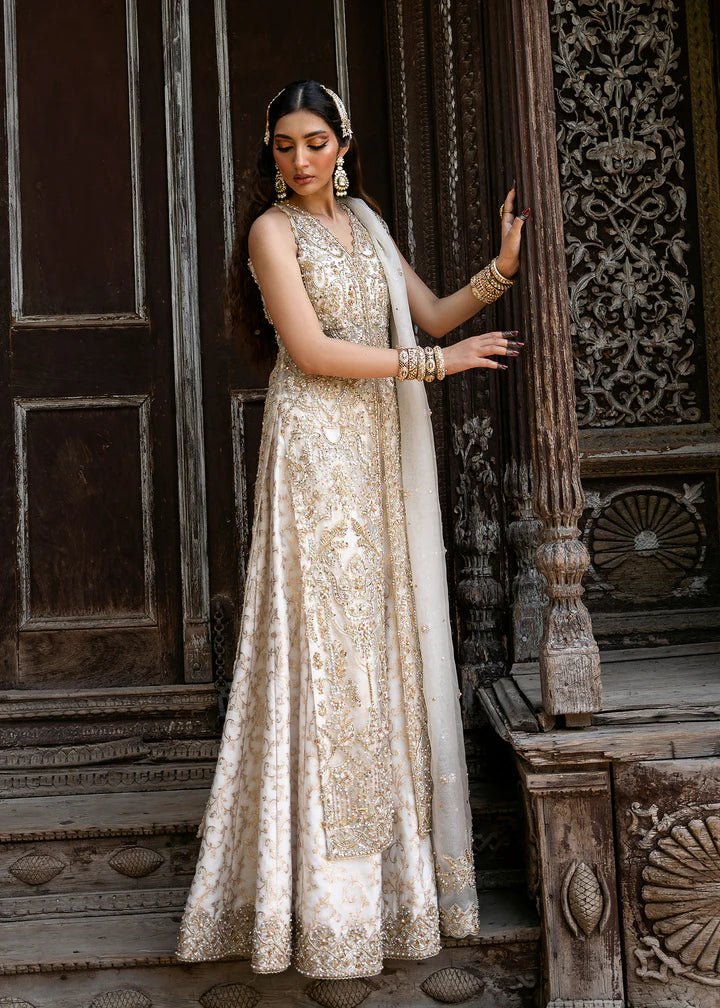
(625, 154)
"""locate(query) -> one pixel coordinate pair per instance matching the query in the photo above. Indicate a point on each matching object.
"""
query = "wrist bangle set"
(421, 364)
(489, 284)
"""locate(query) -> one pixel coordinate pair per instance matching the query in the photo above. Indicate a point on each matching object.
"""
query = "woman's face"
(305, 148)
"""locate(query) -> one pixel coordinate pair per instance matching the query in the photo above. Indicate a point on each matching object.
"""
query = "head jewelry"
(342, 113)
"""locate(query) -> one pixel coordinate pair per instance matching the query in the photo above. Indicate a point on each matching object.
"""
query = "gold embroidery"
(274, 943)
(459, 874)
(458, 923)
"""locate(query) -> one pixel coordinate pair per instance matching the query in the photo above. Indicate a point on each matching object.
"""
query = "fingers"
(503, 343)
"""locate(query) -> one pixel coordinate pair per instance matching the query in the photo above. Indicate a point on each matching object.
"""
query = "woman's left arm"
(439, 315)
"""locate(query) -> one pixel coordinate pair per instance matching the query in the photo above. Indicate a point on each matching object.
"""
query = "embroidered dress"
(316, 843)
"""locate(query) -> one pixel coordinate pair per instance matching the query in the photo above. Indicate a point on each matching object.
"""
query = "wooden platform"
(646, 694)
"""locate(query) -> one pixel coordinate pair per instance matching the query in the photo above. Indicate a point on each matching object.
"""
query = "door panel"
(88, 389)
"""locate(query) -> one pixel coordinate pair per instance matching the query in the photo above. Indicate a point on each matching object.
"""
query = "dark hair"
(243, 306)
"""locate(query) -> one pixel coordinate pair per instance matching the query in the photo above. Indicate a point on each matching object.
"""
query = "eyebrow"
(306, 136)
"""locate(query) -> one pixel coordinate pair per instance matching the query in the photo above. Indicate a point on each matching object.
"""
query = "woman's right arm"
(274, 257)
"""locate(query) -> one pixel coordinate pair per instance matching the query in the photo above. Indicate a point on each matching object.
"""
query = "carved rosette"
(452, 985)
(680, 894)
(647, 543)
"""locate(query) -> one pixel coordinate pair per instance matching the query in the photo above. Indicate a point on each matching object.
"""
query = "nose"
(300, 160)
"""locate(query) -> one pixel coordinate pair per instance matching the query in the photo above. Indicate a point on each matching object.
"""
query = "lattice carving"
(621, 146)
(452, 985)
(681, 897)
(585, 900)
(11, 1002)
(647, 543)
(231, 995)
(36, 869)
(121, 998)
(339, 993)
(136, 862)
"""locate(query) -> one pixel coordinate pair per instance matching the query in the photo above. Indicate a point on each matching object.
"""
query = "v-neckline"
(350, 252)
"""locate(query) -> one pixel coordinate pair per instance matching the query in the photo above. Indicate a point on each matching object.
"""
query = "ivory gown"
(316, 846)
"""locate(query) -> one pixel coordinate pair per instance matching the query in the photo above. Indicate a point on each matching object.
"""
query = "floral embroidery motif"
(459, 873)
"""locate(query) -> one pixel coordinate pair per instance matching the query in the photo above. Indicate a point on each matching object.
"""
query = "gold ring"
(502, 210)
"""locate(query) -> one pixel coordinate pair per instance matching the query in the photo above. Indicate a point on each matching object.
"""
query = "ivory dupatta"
(451, 820)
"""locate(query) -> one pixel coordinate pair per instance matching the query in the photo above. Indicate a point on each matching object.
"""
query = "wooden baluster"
(569, 656)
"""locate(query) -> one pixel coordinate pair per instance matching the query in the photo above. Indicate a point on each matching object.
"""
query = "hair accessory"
(280, 184)
(267, 117)
(342, 113)
(341, 182)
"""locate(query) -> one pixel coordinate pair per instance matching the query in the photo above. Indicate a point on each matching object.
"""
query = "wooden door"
(90, 595)
(241, 55)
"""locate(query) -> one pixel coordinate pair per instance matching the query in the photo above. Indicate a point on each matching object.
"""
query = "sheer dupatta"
(451, 820)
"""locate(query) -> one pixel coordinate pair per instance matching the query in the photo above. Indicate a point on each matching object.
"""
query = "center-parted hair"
(243, 307)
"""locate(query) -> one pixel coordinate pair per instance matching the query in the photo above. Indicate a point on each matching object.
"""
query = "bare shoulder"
(271, 230)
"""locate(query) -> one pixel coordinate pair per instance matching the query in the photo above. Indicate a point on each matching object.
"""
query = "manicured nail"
(515, 343)
(503, 366)
(513, 184)
(526, 213)
(513, 353)
(511, 332)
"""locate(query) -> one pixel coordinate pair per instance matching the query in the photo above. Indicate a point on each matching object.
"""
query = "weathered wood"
(569, 657)
(573, 830)
(668, 848)
(519, 715)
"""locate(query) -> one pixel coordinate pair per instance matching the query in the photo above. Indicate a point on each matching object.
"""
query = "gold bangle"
(429, 364)
(439, 363)
(421, 363)
(403, 364)
(489, 284)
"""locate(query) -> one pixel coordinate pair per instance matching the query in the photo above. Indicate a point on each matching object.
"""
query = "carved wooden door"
(90, 595)
(636, 88)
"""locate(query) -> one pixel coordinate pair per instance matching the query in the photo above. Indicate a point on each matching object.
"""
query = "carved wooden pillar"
(569, 657)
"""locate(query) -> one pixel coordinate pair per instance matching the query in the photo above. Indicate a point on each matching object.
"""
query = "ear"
(343, 149)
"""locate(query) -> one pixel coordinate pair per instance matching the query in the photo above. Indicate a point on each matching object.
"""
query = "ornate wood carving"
(622, 164)
(528, 588)
(339, 993)
(477, 537)
(452, 985)
(569, 657)
(230, 995)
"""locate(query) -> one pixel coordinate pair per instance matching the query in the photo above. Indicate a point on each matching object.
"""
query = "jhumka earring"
(280, 184)
(341, 181)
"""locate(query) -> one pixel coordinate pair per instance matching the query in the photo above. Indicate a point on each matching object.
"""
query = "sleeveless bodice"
(347, 289)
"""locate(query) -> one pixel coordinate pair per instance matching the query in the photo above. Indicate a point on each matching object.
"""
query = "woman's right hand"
(478, 351)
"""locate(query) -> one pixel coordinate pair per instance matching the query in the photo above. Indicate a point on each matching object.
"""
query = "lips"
(302, 178)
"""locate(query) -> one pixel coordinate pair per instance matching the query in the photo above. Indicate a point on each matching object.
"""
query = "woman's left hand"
(508, 260)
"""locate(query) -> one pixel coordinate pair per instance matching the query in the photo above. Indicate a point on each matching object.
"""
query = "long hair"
(243, 305)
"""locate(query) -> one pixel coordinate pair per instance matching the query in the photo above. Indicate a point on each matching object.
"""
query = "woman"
(338, 829)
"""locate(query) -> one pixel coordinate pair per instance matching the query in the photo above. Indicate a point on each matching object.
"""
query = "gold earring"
(341, 181)
(280, 184)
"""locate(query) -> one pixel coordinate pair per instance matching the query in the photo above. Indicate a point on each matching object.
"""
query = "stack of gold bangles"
(421, 363)
(489, 284)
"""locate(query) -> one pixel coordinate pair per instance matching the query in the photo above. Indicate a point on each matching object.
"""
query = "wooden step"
(98, 815)
(103, 941)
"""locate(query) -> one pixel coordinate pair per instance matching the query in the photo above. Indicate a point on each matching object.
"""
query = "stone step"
(105, 940)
